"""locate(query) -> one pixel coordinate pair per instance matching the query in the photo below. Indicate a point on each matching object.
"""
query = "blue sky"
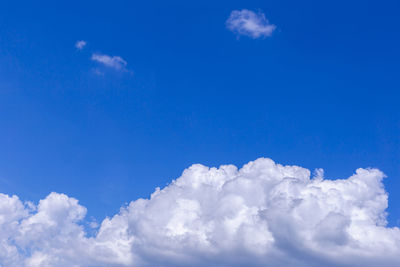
(321, 92)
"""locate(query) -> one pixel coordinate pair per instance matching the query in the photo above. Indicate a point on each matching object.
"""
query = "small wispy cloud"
(80, 44)
(249, 23)
(113, 62)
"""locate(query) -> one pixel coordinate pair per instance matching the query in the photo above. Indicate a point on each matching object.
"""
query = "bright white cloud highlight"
(114, 62)
(249, 23)
(263, 214)
(80, 44)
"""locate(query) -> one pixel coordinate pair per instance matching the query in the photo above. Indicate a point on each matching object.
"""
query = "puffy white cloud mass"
(249, 23)
(263, 214)
(114, 62)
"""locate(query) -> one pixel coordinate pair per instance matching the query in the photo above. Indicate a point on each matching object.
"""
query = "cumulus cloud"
(80, 44)
(263, 214)
(249, 23)
(114, 62)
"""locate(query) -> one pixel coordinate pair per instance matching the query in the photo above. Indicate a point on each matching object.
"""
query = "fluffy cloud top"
(249, 23)
(114, 62)
(263, 214)
(80, 44)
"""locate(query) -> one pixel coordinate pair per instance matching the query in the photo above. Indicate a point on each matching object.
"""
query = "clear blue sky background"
(323, 91)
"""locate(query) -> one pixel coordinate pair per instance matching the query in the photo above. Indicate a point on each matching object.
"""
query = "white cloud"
(249, 23)
(263, 214)
(80, 44)
(114, 62)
